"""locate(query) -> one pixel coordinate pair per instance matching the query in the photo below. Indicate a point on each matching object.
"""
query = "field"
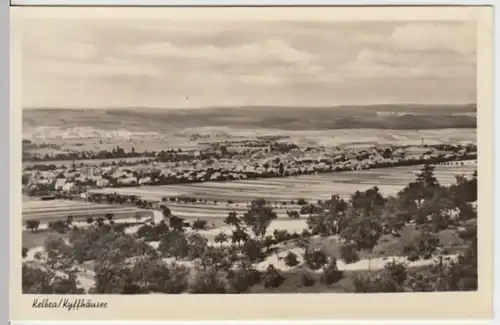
(153, 129)
(59, 163)
(52, 210)
(309, 187)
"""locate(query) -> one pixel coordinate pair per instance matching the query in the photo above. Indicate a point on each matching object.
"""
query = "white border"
(4, 89)
(191, 3)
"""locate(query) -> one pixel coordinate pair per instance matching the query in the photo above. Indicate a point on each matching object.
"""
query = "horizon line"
(241, 106)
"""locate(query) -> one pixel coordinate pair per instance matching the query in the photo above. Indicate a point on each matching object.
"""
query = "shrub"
(252, 249)
(90, 220)
(281, 235)
(315, 259)
(349, 253)
(308, 280)
(24, 252)
(293, 214)
(272, 278)
(398, 271)
(422, 246)
(291, 259)
(301, 201)
(331, 274)
(412, 255)
(59, 226)
(378, 283)
(241, 280)
(32, 225)
(199, 224)
(207, 281)
(469, 233)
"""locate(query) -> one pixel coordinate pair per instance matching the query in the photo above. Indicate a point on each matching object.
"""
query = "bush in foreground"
(308, 280)
(273, 278)
(291, 259)
(349, 253)
(331, 274)
(315, 259)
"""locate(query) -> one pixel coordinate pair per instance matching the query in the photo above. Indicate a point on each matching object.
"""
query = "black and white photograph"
(211, 155)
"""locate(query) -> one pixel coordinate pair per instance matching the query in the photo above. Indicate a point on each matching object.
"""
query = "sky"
(98, 63)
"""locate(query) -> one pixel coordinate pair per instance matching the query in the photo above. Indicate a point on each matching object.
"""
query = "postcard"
(238, 163)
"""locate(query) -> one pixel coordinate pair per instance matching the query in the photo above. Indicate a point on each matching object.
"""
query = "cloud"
(153, 63)
(271, 62)
(75, 51)
(427, 37)
(269, 51)
(102, 68)
(403, 64)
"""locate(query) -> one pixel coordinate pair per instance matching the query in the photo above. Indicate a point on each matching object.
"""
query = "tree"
(301, 201)
(207, 281)
(109, 216)
(32, 225)
(197, 245)
(176, 223)
(239, 235)
(252, 249)
(281, 235)
(154, 275)
(398, 271)
(293, 214)
(349, 253)
(308, 280)
(59, 253)
(242, 278)
(315, 259)
(166, 213)
(147, 233)
(259, 217)
(41, 280)
(199, 224)
(291, 259)
(423, 245)
(331, 273)
(273, 278)
(59, 226)
(426, 176)
(369, 202)
(174, 244)
(100, 221)
(232, 219)
(363, 231)
(221, 238)
(459, 275)
(330, 218)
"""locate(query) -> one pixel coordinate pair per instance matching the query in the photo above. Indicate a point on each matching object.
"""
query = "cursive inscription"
(69, 304)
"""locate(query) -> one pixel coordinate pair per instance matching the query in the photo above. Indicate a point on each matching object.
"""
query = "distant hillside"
(406, 117)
